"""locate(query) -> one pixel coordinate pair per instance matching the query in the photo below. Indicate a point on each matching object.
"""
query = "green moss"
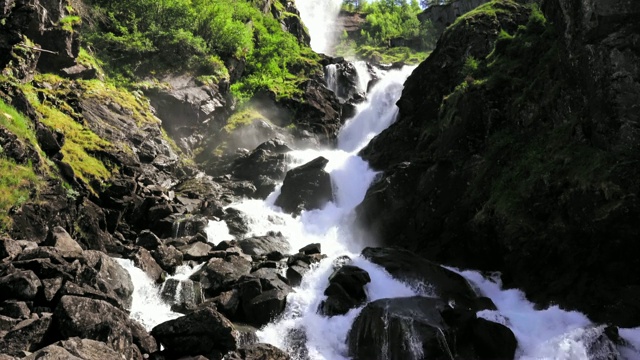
(16, 123)
(491, 9)
(80, 142)
(388, 55)
(242, 118)
(132, 102)
(18, 183)
(69, 22)
(88, 60)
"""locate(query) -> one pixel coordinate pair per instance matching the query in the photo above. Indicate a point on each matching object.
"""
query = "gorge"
(479, 205)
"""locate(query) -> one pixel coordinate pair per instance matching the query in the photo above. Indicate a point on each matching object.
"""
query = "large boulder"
(97, 320)
(420, 328)
(20, 285)
(306, 187)
(110, 276)
(219, 274)
(345, 291)
(28, 335)
(262, 245)
(258, 352)
(422, 273)
(202, 332)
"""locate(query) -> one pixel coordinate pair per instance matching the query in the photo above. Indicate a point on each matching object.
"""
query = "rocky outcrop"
(306, 187)
(444, 15)
(189, 110)
(492, 166)
(345, 291)
(403, 328)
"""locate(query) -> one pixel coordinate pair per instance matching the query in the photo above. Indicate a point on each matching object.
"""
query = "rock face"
(420, 328)
(203, 332)
(498, 172)
(306, 187)
(346, 290)
(444, 15)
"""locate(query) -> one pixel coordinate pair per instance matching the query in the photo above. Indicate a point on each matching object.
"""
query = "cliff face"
(516, 150)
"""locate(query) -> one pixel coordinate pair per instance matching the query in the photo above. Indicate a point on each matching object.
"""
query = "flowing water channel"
(542, 334)
(551, 333)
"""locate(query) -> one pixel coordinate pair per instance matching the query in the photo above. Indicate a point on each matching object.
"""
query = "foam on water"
(147, 307)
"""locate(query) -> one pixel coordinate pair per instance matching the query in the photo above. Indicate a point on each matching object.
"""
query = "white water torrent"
(542, 334)
(320, 19)
(331, 77)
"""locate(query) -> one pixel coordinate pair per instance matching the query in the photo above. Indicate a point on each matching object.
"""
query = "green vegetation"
(243, 118)
(391, 32)
(525, 70)
(149, 37)
(18, 183)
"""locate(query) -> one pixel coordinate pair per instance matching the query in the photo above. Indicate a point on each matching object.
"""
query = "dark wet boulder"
(9, 248)
(258, 352)
(20, 285)
(202, 332)
(110, 276)
(306, 187)
(148, 240)
(183, 295)
(296, 272)
(264, 167)
(197, 251)
(219, 274)
(27, 335)
(236, 221)
(406, 266)
(88, 349)
(97, 320)
(420, 327)
(59, 238)
(262, 245)
(263, 308)
(311, 249)
(168, 257)
(145, 261)
(345, 291)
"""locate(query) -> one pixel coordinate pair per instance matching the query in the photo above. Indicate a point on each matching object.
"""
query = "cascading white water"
(331, 77)
(542, 334)
(363, 75)
(320, 19)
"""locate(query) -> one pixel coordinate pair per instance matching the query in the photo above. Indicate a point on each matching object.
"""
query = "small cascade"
(364, 76)
(331, 77)
(320, 19)
(147, 307)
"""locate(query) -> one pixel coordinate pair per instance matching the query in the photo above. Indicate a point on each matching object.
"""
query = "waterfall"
(320, 19)
(331, 77)
(362, 69)
(551, 333)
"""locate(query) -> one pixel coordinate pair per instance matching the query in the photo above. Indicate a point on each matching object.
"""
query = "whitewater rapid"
(551, 333)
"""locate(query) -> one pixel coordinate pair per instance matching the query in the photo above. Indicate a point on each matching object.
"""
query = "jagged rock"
(258, 352)
(79, 71)
(60, 239)
(197, 251)
(20, 285)
(16, 149)
(264, 167)
(200, 333)
(183, 295)
(345, 291)
(92, 227)
(186, 108)
(261, 245)
(236, 221)
(263, 308)
(97, 320)
(88, 349)
(400, 328)
(148, 240)
(444, 15)
(414, 269)
(144, 260)
(295, 273)
(218, 274)
(9, 249)
(52, 352)
(28, 335)
(311, 249)
(110, 275)
(15, 309)
(168, 257)
(306, 187)
(228, 302)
